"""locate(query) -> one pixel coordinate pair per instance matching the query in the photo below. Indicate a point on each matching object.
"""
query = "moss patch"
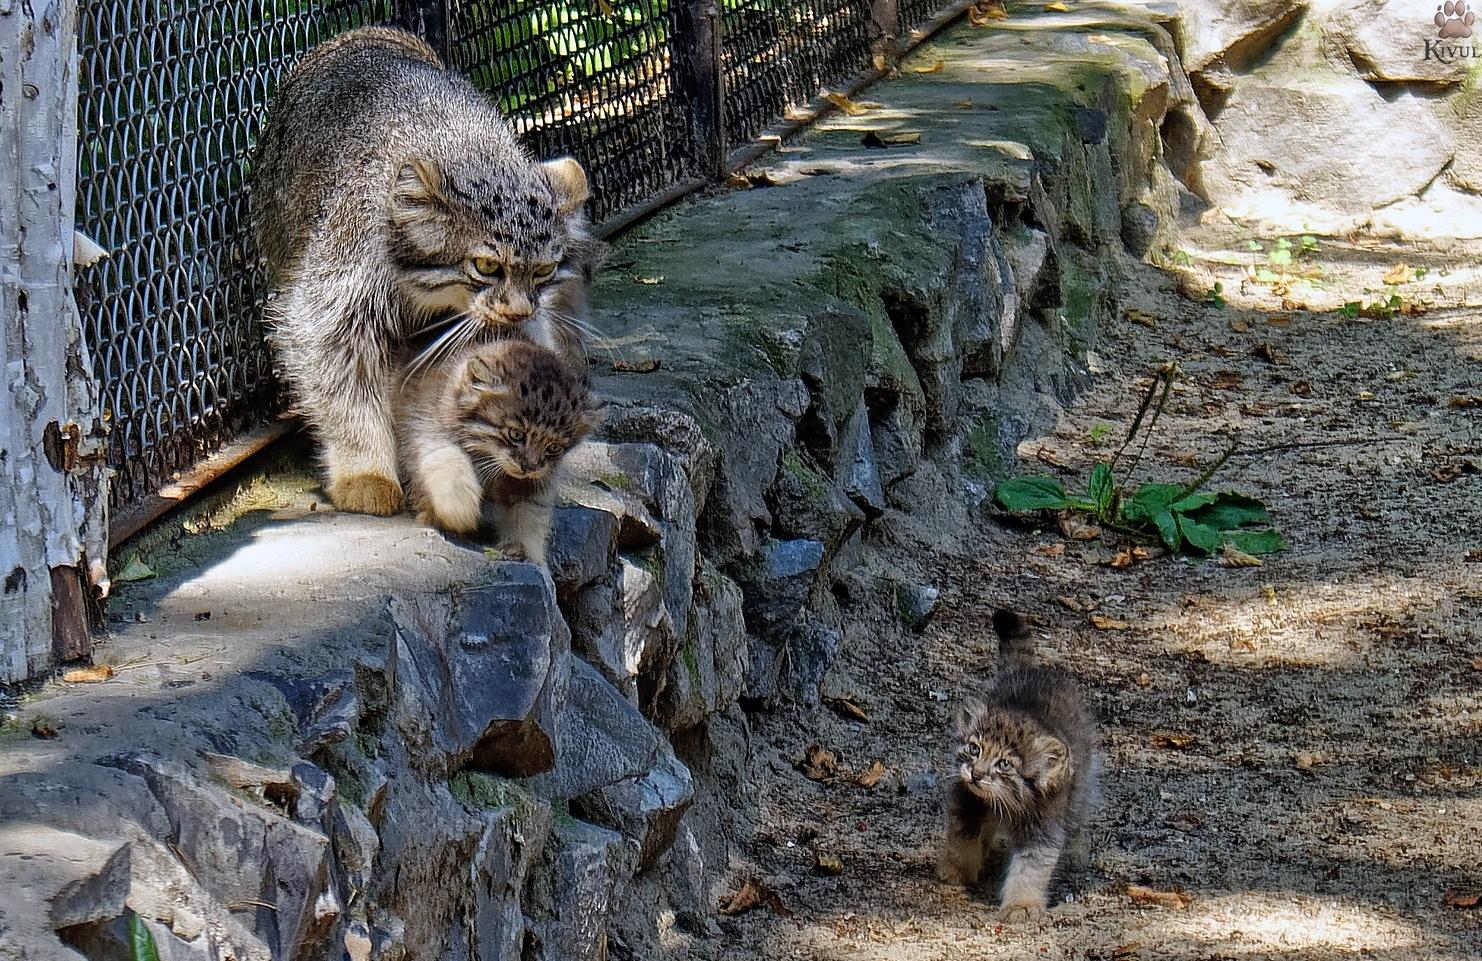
(981, 457)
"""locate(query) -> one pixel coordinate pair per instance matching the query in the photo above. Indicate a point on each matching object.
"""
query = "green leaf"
(1231, 510)
(1281, 257)
(1200, 536)
(1258, 542)
(1032, 494)
(1167, 526)
(1191, 503)
(141, 942)
(134, 570)
(1103, 489)
(1148, 501)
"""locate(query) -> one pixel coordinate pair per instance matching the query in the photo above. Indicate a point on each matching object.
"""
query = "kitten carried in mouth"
(492, 423)
(1027, 777)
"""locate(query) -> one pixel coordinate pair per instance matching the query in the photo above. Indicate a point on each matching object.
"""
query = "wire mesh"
(171, 97)
(780, 53)
(173, 93)
(597, 81)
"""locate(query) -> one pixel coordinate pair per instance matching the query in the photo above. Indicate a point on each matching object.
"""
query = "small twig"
(250, 902)
(1211, 470)
(1147, 435)
(130, 665)
(1142, 409)
(1351, 442)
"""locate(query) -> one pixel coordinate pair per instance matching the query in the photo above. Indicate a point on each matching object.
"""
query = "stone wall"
(337, 736)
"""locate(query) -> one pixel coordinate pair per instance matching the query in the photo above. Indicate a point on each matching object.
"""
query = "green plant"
(1215, 297)
(1184, 517)
(1383, 309)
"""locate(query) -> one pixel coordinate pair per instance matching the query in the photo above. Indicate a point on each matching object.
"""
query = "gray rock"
(811, 649)
(244, 854)
(637, 526)
(621, 623)
(60, 878)
(603, 738)
(808, 504)
(708, 674)
(896, 431)
(315, 793)
(1234, 33)
(645, 809)
(1267, 171)
(356, 845)
(778, 584)
(327, 708)
(477, 674)
(582, 547)
(1388, 42)
(858, 474)
(580, 885)
(1140, 226)
(915, 604)
(512, 840)
(679, 434)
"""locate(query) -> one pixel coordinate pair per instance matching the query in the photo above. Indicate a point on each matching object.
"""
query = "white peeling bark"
(52, 477)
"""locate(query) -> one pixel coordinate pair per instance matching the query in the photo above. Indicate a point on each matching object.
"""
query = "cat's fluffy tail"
(1015, 645)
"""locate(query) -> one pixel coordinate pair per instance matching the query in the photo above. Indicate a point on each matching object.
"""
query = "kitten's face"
(468, 244)
(521, 408)
(1007, 759)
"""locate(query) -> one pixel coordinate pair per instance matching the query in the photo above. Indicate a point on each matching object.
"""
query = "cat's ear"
(1049, 762)
(481, 377)
(569, 182)
(418, 187)
(965, 718)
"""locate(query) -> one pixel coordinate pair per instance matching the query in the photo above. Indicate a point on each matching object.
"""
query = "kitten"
(1026, 778)
(493, 423)
(390, 200)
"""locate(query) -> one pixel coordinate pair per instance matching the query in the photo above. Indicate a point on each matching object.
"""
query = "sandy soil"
(1330, 791)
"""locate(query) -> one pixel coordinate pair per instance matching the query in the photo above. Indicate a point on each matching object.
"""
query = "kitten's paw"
(366, 494)
(950, 872)
(510, 551)
(1021, 911)
(454, 501)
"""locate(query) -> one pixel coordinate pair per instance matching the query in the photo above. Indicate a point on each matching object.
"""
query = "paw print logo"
(1454, 19)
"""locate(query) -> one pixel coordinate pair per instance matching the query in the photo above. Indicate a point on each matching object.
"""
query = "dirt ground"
(1328, 793)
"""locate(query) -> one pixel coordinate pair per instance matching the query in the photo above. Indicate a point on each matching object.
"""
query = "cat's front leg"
(969, 831)
(451, 497)
(525, 528)
(1027, 881)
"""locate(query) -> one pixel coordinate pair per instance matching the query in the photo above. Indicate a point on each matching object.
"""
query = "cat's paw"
(510, 551)
(950, 872)
(453, 500)
(366, 494)
(1021, 911)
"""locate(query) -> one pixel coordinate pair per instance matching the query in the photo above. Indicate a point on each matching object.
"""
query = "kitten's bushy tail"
(1015, 646)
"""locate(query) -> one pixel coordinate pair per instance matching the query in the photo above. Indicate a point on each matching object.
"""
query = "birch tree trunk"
(52, 475)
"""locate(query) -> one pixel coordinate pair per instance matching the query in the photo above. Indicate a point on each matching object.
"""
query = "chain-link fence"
(650, 95)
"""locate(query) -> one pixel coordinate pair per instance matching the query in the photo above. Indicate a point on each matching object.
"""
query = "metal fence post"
(699, 51)
(430, 20)
(52, 479)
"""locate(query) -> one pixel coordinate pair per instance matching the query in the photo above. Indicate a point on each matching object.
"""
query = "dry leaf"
(43, 727)
(1104, 623)
(937, 67)
(871, 777)
(818, 763)
(1071, 603)
(1124, 952)
(651, 281)
(1267, 353)
(1171, 740)
(827, 864)
(1400, 273)
(1242, 645)
(89, 675)
(753, 894)
(1048, 550)
(643, 365)
(1233, 556)
(1307, 760)
(1163, 899)
(1076, 529)
(1227, 380)
(900, 138)
(1143, 680)
(853, 108)
(1239, 326)
(985, 12)
(1477, 663)
(1141, 317)
(1057, 7)
(1465, 403)
(1456, 899)
(963, 104)
(134, 570)
(847, 709)
(1302, 388)
(1186, 821)
(1126, 558)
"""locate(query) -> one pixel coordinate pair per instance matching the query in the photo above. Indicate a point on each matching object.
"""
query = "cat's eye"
(1003, 766)
(551, 450)
(544, 273)
(515, 436)
(974, 750)
(488, 267)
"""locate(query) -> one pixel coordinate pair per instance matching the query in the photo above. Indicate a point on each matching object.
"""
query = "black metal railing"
(651, 96)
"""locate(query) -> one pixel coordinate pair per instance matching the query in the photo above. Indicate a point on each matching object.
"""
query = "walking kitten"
(494, 422)
(390, 201)
(1026, 778)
